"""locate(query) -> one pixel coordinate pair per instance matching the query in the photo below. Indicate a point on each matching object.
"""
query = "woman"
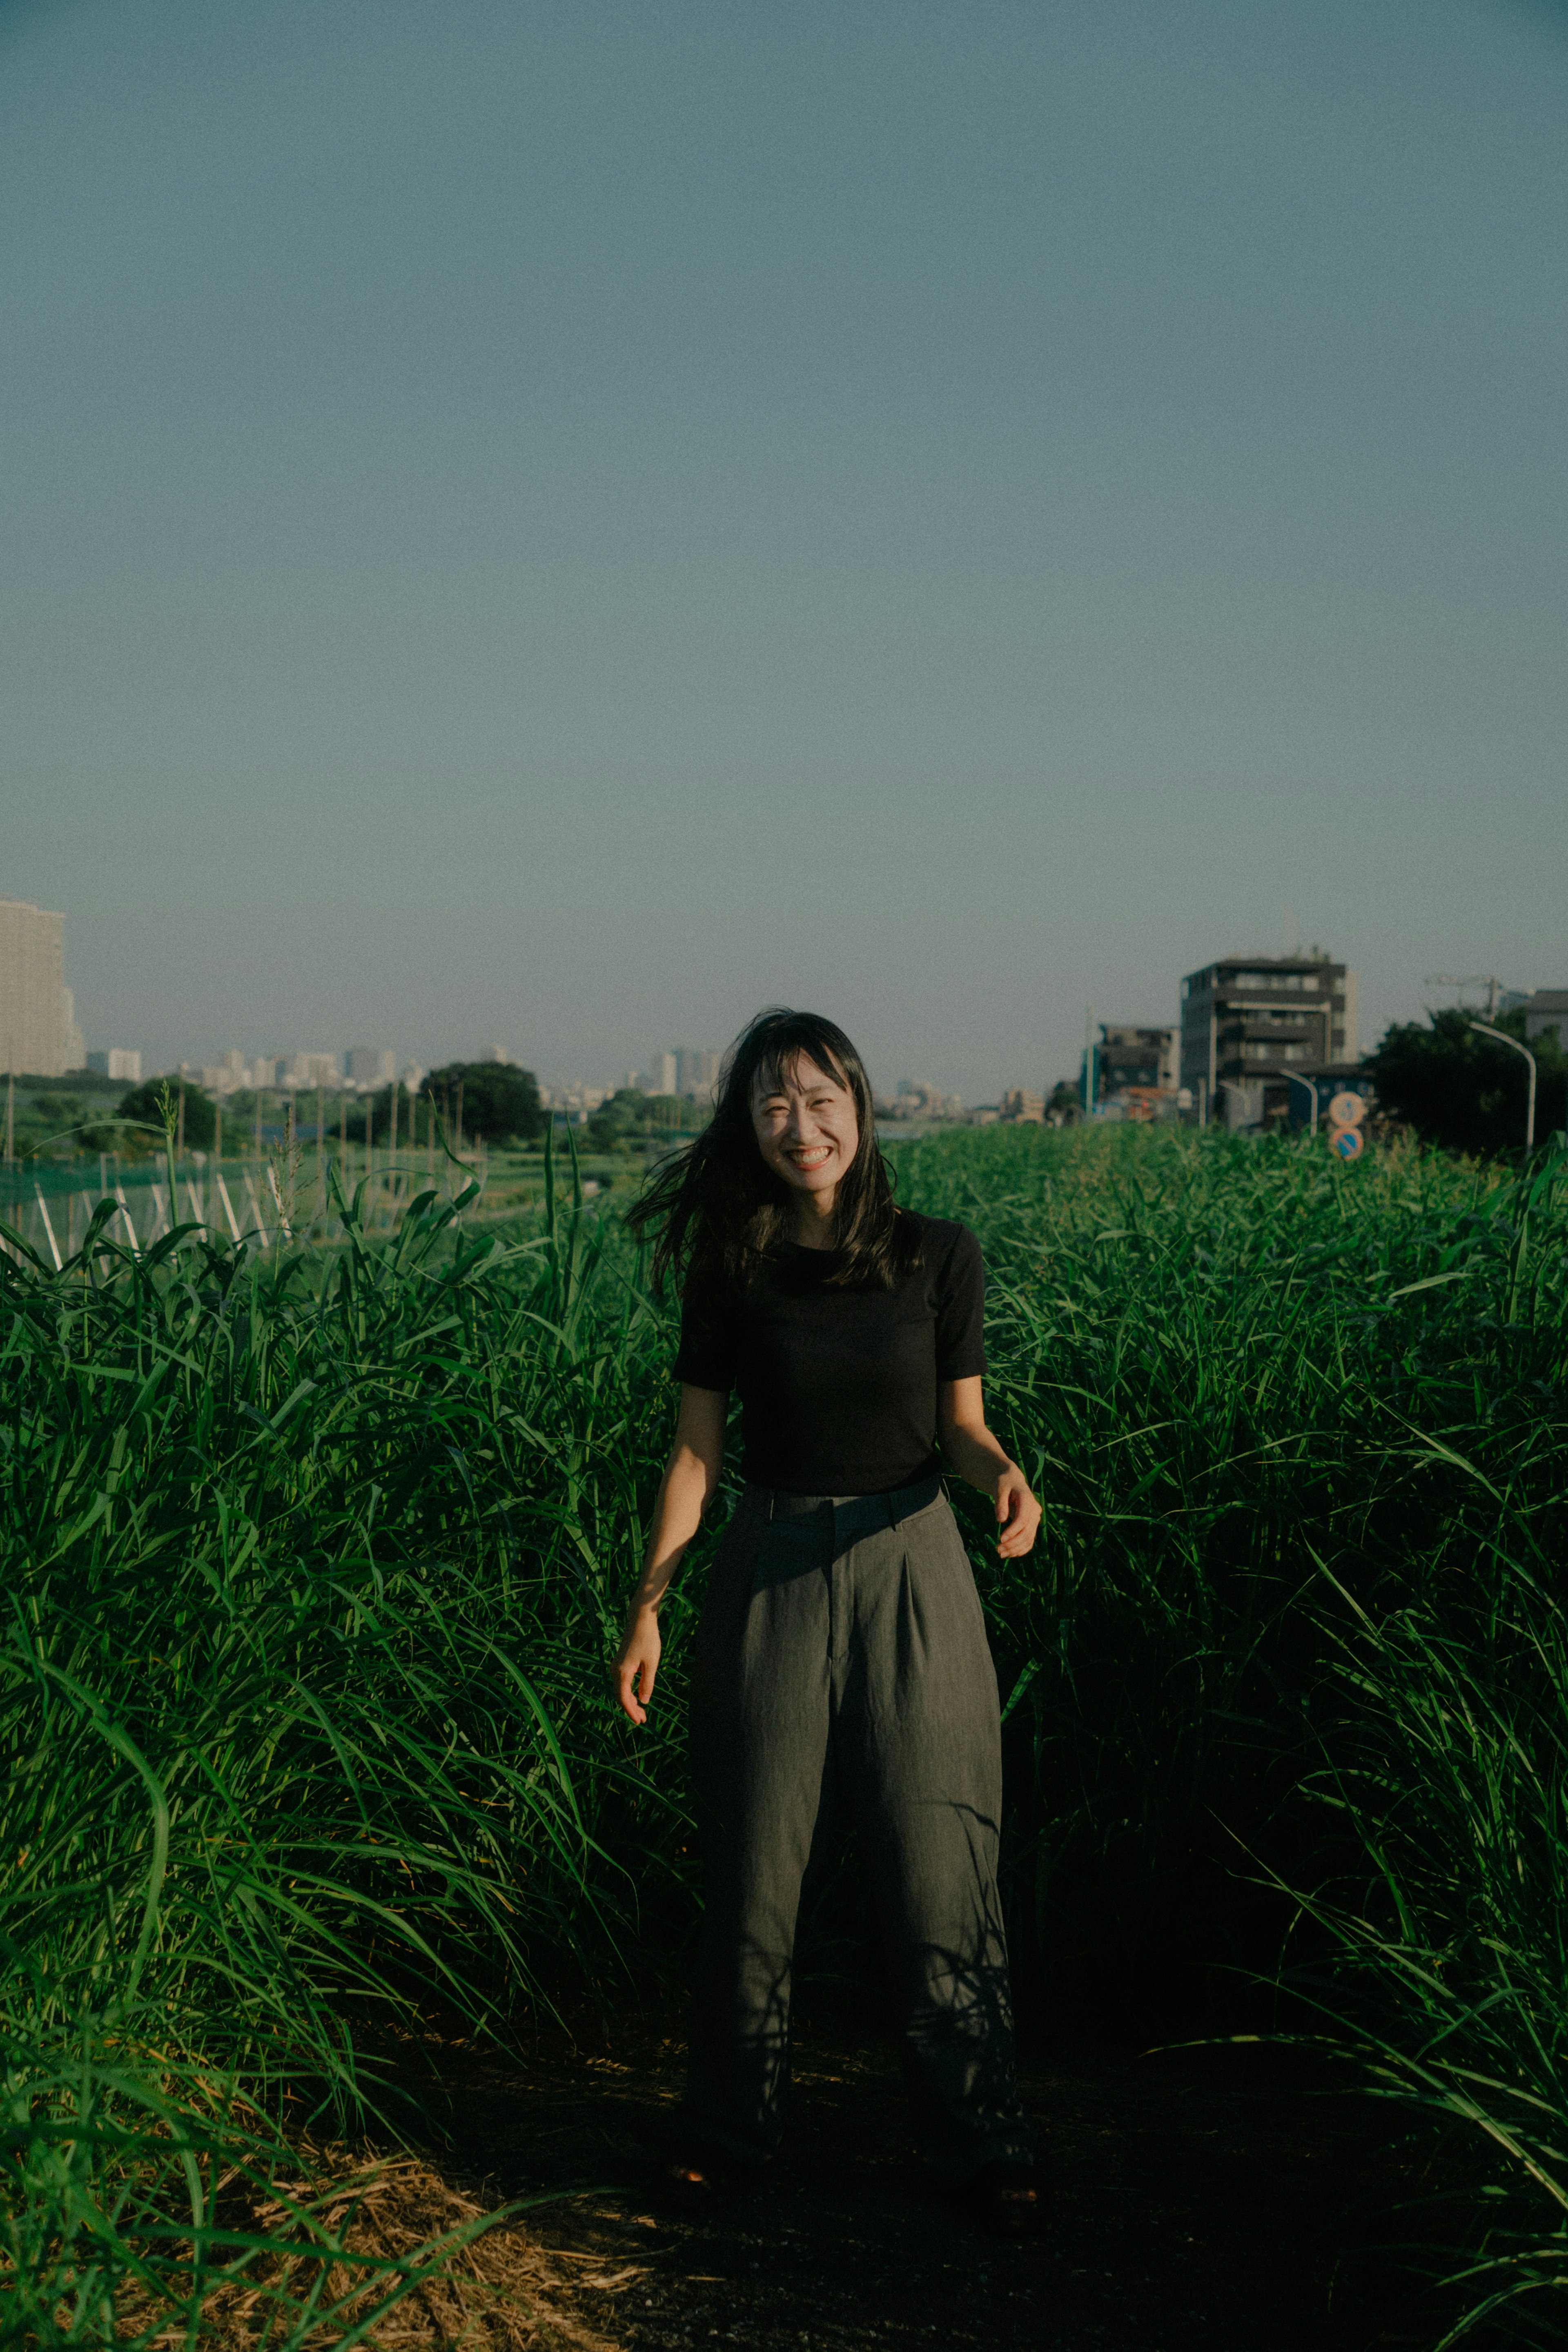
(842, 1657)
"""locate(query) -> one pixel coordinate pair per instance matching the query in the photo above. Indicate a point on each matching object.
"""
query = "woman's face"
(806, 1130)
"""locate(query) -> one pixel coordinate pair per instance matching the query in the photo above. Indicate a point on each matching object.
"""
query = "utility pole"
(1486, 980)
(1504, 1039)
(1089, 1061)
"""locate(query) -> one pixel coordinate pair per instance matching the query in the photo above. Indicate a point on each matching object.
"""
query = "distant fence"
(50, 1207)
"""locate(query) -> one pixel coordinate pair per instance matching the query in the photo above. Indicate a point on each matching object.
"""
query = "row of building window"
(1264, 1049)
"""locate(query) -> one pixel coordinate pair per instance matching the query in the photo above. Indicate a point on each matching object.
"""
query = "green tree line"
(1464, 1092)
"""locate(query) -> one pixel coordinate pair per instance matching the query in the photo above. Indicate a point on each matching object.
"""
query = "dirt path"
(1211, 2198)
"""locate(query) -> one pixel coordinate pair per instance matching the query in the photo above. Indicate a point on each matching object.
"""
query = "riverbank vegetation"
(312, 1561)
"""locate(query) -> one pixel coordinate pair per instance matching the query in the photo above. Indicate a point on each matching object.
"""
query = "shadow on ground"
(1221, 2198)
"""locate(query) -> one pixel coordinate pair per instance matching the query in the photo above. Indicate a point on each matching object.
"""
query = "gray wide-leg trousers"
(841, 1659)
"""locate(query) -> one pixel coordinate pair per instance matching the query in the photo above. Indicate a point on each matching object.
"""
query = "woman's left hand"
(1017, 1514)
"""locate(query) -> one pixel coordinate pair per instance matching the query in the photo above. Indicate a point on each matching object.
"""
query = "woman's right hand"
(637, 1661)
(691, 1475)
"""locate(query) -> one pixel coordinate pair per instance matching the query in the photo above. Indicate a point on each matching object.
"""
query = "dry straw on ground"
(500, 2292)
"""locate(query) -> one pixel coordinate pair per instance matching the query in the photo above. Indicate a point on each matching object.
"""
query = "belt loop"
(772, 1504)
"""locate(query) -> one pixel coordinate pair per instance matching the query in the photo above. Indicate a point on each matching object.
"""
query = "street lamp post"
(1311, 1085)
(1504, 1039)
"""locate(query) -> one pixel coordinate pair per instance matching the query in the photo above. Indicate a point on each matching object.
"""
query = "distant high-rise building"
(311, 1070)
(117, 1062)
(372, 1065)
(228, 1077)
(73, 1045)
(37, 1024)
(697, 1072)
(661, 1077)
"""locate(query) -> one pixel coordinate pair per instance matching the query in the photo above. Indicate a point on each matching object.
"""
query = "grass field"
(312, 1561)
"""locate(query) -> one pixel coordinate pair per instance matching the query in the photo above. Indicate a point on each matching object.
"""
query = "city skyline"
(32, 980)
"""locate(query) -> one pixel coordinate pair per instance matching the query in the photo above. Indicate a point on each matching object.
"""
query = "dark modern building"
(1251, 1022)
(1128, 1057)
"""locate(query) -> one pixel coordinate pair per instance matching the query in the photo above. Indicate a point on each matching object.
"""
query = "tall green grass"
(312, 1563)
(1293, 1658)
(307, 1586)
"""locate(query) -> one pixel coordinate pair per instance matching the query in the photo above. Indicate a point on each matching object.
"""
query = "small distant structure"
(1546, 1015)
(372, 1065)
(1020, 1106)
(691, 1071)
(1135, 1073)
(917, 1098)
(302, 1070)
(123, 1062)
(289, 1073)
(575, 1101)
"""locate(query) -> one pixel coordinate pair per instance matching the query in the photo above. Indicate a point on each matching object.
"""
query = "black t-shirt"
(838, 1388)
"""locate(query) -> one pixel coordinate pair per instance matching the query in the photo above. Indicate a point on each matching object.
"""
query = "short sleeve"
(706, 1355)
(961, 1311)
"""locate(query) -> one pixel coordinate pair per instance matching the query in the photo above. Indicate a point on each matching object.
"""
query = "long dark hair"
(717, 1210)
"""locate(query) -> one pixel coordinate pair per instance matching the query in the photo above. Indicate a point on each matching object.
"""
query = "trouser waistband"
(850, 1517)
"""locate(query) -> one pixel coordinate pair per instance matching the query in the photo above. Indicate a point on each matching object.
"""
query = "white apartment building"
(117, 1062)
(39, 1034)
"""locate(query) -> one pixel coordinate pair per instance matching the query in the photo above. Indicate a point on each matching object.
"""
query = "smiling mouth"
(813, 1158)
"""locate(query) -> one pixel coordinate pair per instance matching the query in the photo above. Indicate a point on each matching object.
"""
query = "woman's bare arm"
(691, 1477)
(978, 1456)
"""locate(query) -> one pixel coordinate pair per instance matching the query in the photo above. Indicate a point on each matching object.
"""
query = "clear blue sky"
(562, 524)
